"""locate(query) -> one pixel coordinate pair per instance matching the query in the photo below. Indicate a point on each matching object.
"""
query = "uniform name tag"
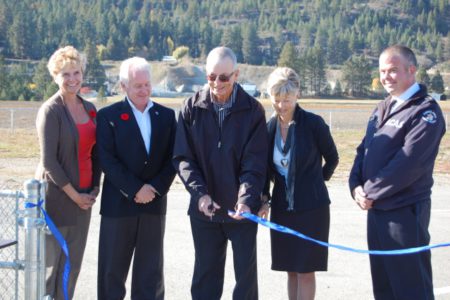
(395, 123)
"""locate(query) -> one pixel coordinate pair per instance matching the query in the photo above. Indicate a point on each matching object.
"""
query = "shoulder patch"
(429, 116)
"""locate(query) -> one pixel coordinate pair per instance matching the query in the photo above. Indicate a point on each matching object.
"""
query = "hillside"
(255, 29)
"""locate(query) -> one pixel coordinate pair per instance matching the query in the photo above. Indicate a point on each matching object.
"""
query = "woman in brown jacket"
(66, 130)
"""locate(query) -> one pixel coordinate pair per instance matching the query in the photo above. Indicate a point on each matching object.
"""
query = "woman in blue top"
(299, 142)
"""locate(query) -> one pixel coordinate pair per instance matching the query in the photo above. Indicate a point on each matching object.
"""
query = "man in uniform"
(392, 178)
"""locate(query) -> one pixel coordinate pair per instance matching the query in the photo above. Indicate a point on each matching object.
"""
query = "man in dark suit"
(135, 140)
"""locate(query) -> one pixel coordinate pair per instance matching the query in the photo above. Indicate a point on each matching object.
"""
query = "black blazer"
(125, 162)
(313, 141)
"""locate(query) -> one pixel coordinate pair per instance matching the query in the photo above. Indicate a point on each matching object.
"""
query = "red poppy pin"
(92, 114)
(124, 116)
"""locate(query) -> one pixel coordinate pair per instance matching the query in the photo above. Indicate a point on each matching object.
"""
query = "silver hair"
(283, 81)
(220, 53)
(135, 63)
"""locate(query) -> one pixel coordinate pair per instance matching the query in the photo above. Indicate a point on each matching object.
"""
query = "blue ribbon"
(287, 230)
(60, 239)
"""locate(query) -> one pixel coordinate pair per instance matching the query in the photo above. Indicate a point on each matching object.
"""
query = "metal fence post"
(33, 223)
(12, 121)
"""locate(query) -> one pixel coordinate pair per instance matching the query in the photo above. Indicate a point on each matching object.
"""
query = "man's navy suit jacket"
(127, 165)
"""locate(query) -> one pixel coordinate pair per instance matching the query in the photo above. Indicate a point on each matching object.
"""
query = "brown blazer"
(58, 141)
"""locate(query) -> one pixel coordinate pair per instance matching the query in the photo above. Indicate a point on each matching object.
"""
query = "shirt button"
(145, 162)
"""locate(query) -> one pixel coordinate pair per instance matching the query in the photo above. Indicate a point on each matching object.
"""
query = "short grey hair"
(283, 81)
(135, 63)
(220, 53)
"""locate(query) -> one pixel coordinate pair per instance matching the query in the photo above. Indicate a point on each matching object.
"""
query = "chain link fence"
(10, 256)
(22, 268)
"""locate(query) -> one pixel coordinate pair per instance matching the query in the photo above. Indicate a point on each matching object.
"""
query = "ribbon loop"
(61, 241)
(287, 230)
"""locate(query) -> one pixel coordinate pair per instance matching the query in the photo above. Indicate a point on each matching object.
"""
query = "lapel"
(155, 120)
(131, 125)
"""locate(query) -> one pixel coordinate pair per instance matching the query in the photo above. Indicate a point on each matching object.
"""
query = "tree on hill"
(94, 75)
(437, 83)
(337, 90)
(232, 39)
(312, 70)
(250, 43)
(41, 80)
(288, 57)
(180, 52)
(422, 76)
(357, 75)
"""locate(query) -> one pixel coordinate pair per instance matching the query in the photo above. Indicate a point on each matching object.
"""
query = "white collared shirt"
(143, 121)
(405, 96)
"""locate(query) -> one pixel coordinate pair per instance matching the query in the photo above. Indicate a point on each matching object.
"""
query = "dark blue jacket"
(313, 142)
(395, 161)
(125, 162)
(227, 163)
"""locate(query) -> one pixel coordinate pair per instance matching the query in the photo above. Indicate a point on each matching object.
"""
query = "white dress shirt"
(144, 123)
(405, 96)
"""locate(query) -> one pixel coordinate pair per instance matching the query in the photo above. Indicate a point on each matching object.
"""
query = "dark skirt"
(293, 254)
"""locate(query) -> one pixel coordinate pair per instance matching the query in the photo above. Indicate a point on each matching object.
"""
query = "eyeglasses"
(222, 77)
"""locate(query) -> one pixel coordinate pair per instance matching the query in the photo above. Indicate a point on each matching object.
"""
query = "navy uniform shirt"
(395, 160)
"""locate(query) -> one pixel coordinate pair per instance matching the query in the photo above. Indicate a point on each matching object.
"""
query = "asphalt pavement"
(348, 275)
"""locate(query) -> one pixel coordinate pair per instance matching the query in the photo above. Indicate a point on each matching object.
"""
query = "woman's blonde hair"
(283, 81)
(64, 57)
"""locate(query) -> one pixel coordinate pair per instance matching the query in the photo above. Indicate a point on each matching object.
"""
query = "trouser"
(75, 237)
(210, 243)
(120, 238)
(401, 276)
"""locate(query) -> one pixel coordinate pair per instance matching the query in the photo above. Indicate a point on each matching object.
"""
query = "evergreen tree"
(337, 90)
(422, 76)
(95, 75)
(357, 75)
(288, 57)
(232, 39)
(180, 52)
(250, 45)
(311, 68)
(21, 35)
(437, 83)
(41, 79)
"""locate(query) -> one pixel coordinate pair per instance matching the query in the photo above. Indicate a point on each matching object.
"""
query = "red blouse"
(86, 141)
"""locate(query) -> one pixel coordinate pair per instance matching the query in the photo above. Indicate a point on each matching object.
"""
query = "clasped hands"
(208, 207)
(85, 200)
(146, 194)
(361, 199)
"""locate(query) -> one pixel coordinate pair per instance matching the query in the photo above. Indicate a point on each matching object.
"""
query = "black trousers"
(119, 239)
(210, 242)
(400, 276)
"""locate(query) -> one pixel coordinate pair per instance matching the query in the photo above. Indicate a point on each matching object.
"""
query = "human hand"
(95, 191)
(264, 211)
(361, 198)
(145, 195)
(207, 206)
(265, 207)
(240, 208)
(84, 201)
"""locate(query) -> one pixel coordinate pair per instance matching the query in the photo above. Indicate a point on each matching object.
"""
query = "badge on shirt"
(429, 116)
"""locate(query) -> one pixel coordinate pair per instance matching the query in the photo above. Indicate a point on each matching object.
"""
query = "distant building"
(251, 89)
(169, 59)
